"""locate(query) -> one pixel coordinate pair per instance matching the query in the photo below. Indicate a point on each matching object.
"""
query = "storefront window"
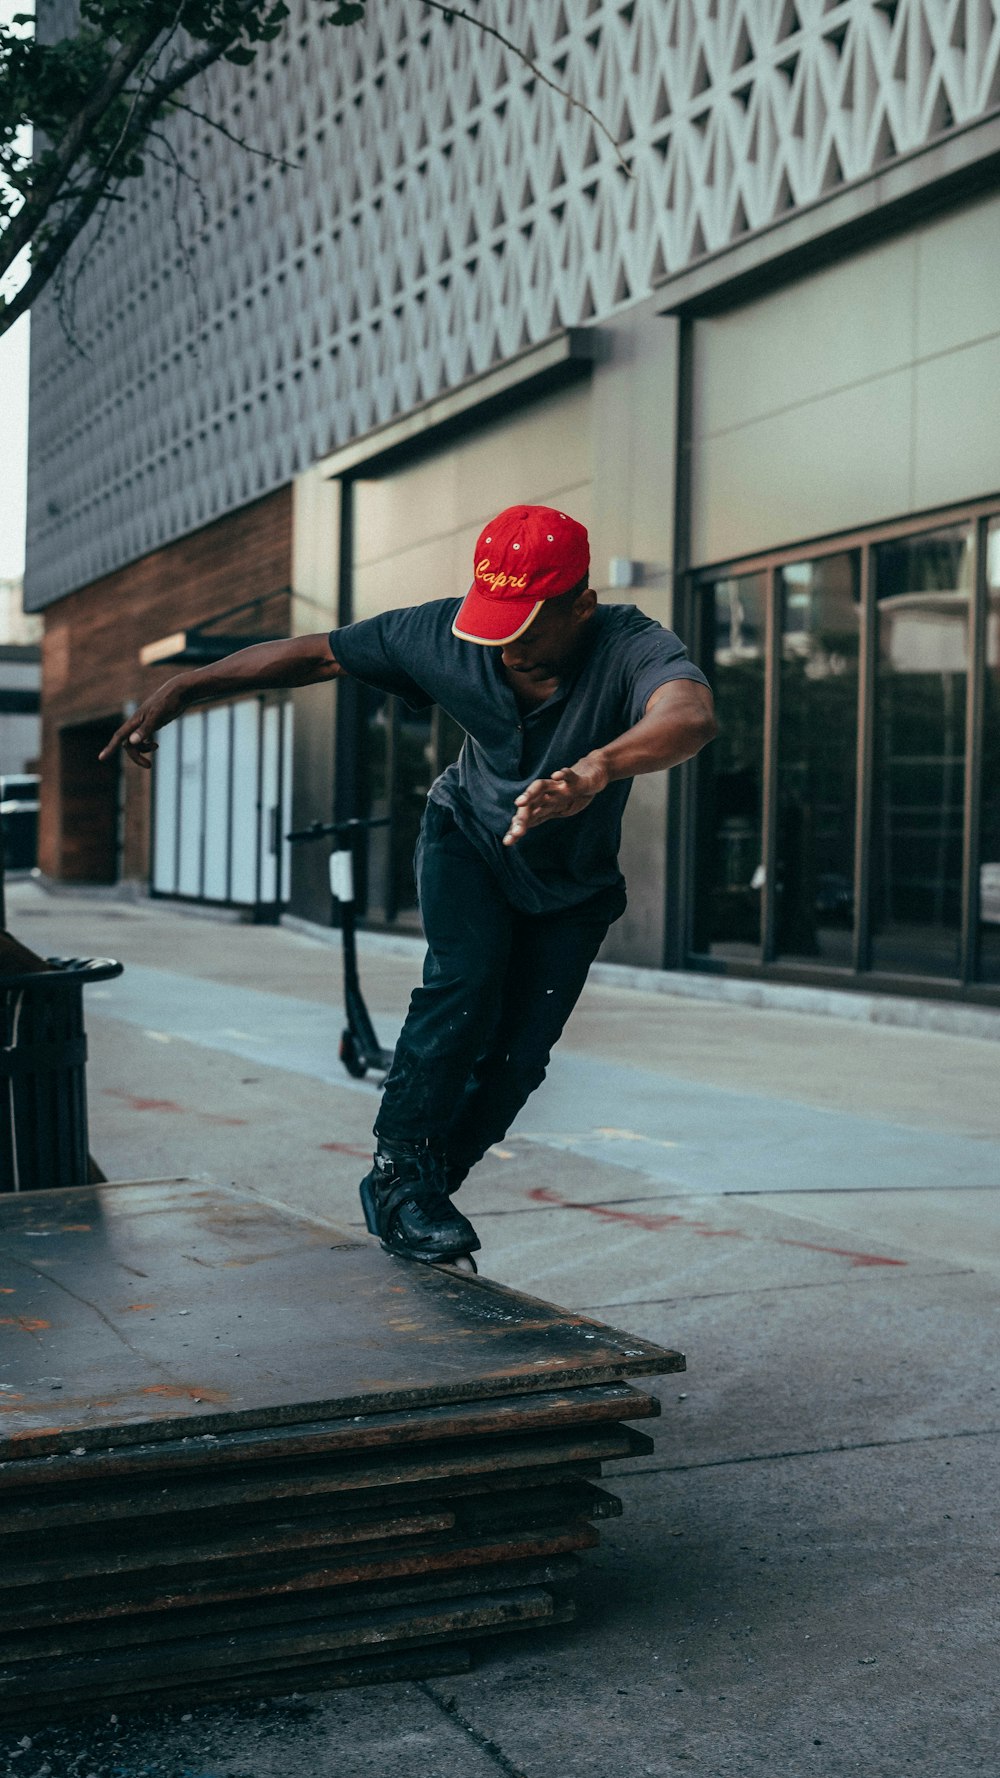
(777, 825)
(402, 751)
(726, 915)
(923, 586)
(814, 829)
(989, 868)
(374, 755)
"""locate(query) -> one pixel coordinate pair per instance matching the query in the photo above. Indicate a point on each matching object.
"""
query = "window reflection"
(923, 586)
(402, 752)
(989, 869)
(814, 877)
(729, 843)
(374, 762)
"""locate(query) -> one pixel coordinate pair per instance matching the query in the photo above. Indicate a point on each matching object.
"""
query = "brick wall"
(91, 670)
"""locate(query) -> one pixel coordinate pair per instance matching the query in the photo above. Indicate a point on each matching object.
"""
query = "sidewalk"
(803, 1581)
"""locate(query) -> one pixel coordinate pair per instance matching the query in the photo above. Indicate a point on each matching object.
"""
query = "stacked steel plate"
(240, 1453)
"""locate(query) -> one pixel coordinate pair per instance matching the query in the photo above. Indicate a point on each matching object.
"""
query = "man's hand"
(677, 722)
(264, 666)
(135, 736)
(549, 799)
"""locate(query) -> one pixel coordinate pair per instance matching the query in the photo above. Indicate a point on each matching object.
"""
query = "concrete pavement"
(805, 1579)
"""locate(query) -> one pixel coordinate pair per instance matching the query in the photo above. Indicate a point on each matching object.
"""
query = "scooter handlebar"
(318, 830)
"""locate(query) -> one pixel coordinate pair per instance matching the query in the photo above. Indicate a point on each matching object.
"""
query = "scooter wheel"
(348, 1053)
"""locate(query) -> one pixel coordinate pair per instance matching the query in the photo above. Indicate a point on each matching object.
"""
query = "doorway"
(89, 801)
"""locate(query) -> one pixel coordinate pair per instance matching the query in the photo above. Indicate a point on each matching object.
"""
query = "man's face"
(549, 643)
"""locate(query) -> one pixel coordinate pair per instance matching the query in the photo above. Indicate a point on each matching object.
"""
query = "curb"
(901, 1012)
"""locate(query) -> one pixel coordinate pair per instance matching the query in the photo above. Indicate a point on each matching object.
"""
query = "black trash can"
(20, 835)
(43, 1084)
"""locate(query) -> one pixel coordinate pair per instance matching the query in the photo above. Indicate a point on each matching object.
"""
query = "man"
(562, 701)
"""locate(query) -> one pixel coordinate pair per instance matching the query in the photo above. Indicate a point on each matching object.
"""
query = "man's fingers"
(130, 733)
(545, 800)
(135, 741)
(542, 789)
(117, 740)
(141, 758)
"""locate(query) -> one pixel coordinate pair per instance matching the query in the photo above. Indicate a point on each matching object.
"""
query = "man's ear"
(584, 605)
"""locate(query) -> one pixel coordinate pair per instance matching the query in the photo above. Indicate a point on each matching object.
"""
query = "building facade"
(755, 359)
(20, 683)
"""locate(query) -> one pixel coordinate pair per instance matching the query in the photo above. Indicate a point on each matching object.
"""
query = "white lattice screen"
(446, 210)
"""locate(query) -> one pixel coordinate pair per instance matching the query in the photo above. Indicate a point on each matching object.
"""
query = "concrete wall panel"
(315, 550)
(394, 512)
(958, 279)
(956, 432)
(415, 528)
(854, 396)
(411, 576)
(824, 467)
(633, 432)
(849, 324)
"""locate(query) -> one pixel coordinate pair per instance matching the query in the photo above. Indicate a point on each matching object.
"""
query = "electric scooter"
(360, 1049)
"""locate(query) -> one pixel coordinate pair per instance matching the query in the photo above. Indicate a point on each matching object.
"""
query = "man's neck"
(529, 693)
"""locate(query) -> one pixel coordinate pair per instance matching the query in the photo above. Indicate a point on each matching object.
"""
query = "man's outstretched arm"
(267, 666)
(678, 721)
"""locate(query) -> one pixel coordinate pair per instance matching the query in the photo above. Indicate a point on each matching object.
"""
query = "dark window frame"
(860, 976)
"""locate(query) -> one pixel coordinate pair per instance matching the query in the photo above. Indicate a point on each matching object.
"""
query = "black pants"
(498, 987)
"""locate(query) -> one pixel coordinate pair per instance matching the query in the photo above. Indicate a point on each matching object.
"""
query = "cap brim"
(493, 622)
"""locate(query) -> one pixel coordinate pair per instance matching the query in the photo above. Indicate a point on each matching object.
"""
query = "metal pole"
(3, 898)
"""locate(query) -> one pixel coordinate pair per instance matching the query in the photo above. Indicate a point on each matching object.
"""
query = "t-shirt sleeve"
(384, 651)
(653, 657)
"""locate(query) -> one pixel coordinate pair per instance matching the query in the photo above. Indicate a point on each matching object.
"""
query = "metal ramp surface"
(240, 1452)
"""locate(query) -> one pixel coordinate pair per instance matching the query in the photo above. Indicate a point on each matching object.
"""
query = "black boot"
(406, 1204)
(455, 1175)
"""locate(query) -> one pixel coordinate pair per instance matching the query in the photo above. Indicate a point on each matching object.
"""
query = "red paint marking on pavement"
(542, 1194)
(856, 1259)
(641, 1219)
(363, 1154)
(24, 1322)
(132, 1308)
(136, 1104)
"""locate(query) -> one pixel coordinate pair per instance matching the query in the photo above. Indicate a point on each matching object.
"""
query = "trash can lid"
(65, 972)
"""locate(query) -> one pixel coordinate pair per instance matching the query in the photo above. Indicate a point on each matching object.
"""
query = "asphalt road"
(805, 1579)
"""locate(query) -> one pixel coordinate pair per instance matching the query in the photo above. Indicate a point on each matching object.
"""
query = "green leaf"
(347, 13)
(240, 54)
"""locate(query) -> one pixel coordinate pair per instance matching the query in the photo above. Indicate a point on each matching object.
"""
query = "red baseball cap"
(526, 555)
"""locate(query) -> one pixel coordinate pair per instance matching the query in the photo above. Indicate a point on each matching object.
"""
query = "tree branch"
(66, 232)
(21, 229)
(46, 261)
(276, 160)
(455, 12)
(32, 212)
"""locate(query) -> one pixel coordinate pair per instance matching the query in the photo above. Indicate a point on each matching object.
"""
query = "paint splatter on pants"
(498, 987)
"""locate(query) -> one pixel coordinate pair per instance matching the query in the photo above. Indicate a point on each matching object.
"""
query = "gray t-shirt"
(413, 654)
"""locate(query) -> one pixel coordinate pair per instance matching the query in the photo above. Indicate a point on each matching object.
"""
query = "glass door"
(729, 843)
(923, 589)
(848, 815)
(820, 646)
(989, 855)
